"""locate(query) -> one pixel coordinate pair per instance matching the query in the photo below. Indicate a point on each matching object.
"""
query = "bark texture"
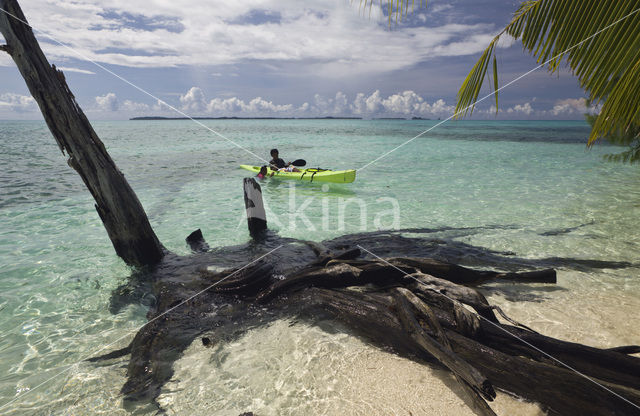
(118, 206)
(396, 303)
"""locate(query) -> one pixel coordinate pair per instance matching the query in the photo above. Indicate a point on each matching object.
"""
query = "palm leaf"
(600, 42)
(395, 9)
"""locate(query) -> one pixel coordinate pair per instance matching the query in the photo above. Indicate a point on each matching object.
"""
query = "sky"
(281, 58)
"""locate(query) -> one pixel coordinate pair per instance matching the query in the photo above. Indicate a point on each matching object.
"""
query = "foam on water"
(525, 187)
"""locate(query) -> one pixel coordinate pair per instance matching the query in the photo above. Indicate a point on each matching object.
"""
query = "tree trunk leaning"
(118, 206)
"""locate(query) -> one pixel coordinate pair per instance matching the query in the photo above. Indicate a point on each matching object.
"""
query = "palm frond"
(396, 10)
(600, 42)
(629, 138)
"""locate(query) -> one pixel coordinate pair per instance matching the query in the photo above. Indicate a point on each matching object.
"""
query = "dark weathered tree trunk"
(118, 206)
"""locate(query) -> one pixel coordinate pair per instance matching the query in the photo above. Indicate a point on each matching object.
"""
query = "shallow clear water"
(526, 187)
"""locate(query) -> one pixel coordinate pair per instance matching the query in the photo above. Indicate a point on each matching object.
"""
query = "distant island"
(244, 118)
(271, 118)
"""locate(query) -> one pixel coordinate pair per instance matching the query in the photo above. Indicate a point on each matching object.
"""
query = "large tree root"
(409, 304)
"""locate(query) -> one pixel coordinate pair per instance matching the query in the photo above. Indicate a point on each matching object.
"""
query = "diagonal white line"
(499, 89)
(81, 55)
(69, 366)
(513, 335)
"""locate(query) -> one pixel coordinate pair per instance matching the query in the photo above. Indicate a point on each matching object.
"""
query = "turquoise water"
(526, 187)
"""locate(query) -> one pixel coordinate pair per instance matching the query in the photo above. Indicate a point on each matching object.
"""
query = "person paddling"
(279, 164)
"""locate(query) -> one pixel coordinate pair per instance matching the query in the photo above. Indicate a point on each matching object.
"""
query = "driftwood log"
(410, 300)
(394, 303)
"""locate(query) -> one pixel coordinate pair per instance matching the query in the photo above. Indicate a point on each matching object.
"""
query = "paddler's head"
(274, 153)
(263, 170)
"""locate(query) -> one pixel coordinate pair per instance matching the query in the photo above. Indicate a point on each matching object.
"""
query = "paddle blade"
(299, 162)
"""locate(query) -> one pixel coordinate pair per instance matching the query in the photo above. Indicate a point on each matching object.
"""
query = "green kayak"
(311, 174)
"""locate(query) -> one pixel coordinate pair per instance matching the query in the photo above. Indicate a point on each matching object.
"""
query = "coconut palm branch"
(629, 137)
(600, 42)
(396, 9)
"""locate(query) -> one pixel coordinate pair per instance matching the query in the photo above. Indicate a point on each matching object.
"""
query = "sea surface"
(530, 188)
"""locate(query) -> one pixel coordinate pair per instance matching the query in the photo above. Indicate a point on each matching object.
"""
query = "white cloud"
(78, 70)
(226, 105)
(338, 105)
(161, 107)
(373, 103)
(571, 106)
(193, 100)
(109, 106)
(525, 109)
(255, 107)
(108, 102)
(135, 107)
(258, 105)
(437, 8)
(333, 38)
(405, 104)
(16, 102)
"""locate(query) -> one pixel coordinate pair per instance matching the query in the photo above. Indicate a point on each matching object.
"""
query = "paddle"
(299, 162)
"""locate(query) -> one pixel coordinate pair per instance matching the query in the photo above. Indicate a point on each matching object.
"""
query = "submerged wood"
(417, 315)
(410, 310)
(117, 205)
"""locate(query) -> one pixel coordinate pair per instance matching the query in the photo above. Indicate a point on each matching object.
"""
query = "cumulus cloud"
(255, 107)
(135, 107)
(570, 106)
(331, 37)
(161, 107)
(193, 100)
(16, 102)
(108, 102)
(525, 109)
(338, 105)
(406, 104)
(367, 105)
(258, 105)
(226, 105)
